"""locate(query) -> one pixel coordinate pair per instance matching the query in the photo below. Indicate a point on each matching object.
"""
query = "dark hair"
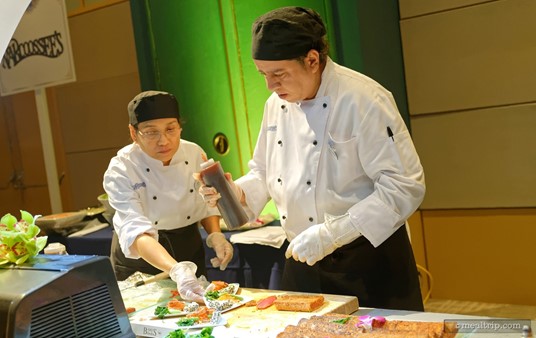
(322, 47)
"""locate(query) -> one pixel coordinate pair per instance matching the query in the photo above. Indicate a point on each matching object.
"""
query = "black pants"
(383, 277)
(183, 244)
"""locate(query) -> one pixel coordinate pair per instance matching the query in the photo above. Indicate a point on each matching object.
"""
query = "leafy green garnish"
(161, 311)
(187, 321)
(176, 334)
(212, 295)
(18, 238)
(205, 333)
(342, 320)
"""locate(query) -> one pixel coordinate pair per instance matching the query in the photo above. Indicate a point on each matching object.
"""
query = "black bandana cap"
(151, 105)
(286, 33)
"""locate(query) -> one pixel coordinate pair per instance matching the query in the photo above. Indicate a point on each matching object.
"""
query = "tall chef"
(157, 209)
(337, 159)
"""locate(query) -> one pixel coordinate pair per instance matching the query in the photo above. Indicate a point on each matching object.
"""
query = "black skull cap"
(286, 33)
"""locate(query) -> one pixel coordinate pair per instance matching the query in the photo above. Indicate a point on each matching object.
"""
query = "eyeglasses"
(154, 135)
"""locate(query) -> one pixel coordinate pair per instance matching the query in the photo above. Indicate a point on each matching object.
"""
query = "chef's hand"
(223, 249)
(183, 273)
(322, 239)
(210, 195)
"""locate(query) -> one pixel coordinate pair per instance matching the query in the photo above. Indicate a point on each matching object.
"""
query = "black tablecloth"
(253, 265)
(95, 243)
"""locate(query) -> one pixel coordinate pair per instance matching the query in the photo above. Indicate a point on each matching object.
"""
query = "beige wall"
(88, 117)
(92, 110)
(471, 86)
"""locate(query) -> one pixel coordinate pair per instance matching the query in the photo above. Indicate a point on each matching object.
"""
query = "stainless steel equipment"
(62, 296)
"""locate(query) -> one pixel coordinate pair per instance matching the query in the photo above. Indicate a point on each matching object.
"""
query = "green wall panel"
(367, 39)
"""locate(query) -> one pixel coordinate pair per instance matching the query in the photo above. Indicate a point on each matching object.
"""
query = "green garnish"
(205, 333)
(176, 334)
(212, 295)
(342, 320)
(161, 311)
(187, 321)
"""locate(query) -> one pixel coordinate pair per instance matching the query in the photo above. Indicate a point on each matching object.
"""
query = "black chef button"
(308, 182)
(315, 143)
(311, 219)
(325, 105)
(282, 106)
(148, 169)
(156, 223)
(284, 217)
(191, 190)
(187, 217)
(186, 162)
(280, 142)
(279, 180)
(154, 197)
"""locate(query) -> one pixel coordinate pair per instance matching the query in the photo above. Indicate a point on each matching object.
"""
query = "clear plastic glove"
(322, 239)
(189, 287)
(223, 249)
(210, 195)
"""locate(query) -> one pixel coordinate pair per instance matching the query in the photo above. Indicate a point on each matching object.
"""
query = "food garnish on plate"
(222, 296)
(175, 308)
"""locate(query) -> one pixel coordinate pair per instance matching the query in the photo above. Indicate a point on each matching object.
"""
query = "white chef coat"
(148, 196)
(333, 154)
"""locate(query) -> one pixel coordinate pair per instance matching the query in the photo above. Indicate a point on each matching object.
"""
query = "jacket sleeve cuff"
(381, 222)
(126, 240)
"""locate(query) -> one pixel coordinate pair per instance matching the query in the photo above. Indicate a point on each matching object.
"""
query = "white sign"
(10, 13)
(39, 54)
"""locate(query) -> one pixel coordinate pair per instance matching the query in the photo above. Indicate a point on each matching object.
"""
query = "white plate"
(223, 305)
(161, 327)
(177, 313)
(231, 288)
(222, 321)
(226, 305)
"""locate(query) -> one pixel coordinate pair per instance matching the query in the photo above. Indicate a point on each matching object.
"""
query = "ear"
(312, 60)
(133, 133)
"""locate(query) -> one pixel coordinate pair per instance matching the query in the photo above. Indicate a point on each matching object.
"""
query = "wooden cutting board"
(251, 322)
(241, 322)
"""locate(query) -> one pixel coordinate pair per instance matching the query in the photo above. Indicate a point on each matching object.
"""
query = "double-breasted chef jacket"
(345, 151)
(148, 196)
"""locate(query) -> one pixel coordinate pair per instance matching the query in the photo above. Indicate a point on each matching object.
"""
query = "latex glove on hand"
(183, 273)
(320, 240)
(210, 195)
(223, 249)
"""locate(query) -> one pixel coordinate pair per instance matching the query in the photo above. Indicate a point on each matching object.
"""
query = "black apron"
(384, 277)
(183, 244)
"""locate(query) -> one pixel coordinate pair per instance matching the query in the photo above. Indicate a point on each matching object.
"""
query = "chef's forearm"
(154, 253)
(211, 224)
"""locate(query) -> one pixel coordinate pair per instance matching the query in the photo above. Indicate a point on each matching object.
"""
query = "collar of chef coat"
(325, 79)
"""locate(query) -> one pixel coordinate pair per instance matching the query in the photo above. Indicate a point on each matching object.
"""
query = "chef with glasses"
(150, 185)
